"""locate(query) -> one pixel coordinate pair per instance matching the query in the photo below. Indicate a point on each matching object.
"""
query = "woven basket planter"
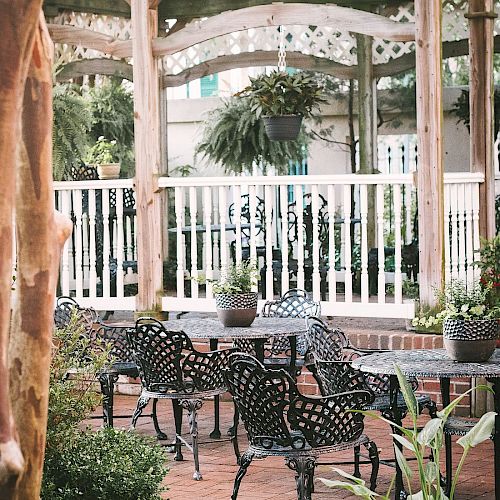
(470, 341)
(282, 128)
(236, 309)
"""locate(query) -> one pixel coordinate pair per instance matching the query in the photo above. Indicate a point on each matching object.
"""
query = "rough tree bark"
(18, 23)
(41, 232)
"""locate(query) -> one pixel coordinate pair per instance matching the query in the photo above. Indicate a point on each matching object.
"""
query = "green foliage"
(281, 93)
(71, 124)
(237, 278)
(417, 441)
(461, 109)
(105, 465)
(183, 170)
(489, 264)
(236, 139)
(461, 301)
(112, 108)
(109, 464)
(103, 151)
(399, 98)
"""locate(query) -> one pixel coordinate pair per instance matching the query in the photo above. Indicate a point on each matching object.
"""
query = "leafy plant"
(110, 464)
(489, 264)
(281, 93)
(417, 441)
(104, 151)
(237, 278)
(70, 132)
(461, 301)
(235, 138)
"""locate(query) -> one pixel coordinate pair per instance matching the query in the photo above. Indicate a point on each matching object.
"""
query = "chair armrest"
(329, 420)
(206, 369)
(339, 376)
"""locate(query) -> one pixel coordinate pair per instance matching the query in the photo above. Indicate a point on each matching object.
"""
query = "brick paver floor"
(270, 479)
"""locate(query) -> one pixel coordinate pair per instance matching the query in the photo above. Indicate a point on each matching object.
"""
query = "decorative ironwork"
(281, 421)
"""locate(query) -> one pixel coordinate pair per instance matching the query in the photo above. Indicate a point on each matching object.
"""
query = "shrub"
(109, 464)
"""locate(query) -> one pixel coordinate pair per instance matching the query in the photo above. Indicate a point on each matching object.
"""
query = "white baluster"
(316, 279)
(85, 247)
(332, 275)
(475, 223)
(347, 243)
(179, 221)
(207, 218)
(77, 205)
(106, 244)
(299, 210)
(408, 215)
(268, 201)
(454, 231)
(65, 275)
(461, 232)
(216, 234)
(398, 282)
(237, 221)
(381, 244)
(193, 210)
(447, 256)
(119, 243)
(92, 245)
(469, 234)
(223, 221)
(285, 283)
(363, 194)
(252, 206)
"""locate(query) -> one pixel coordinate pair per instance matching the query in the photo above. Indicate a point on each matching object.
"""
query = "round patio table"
(258, 332)
(435, 363)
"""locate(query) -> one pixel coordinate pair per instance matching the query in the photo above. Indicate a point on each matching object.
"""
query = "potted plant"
(469, 318)
(283, 100)
(105, 155)
(235, 301)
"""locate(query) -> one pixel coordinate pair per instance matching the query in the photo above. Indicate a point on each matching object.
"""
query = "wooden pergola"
(25, 63)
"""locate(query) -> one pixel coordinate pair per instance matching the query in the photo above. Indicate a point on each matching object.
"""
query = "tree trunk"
(18, 23)
(41, 232)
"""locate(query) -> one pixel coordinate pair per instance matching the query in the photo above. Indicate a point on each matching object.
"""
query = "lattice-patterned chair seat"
(170, 368)
(280, 421)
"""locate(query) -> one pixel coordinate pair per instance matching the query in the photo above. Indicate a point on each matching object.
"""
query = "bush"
(104, 465)
(108, 464)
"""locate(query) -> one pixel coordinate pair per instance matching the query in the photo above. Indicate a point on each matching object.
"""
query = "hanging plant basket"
(283, 128)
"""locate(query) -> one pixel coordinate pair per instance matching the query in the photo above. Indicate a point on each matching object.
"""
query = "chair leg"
(375, 460)
(177, 408)
(234, 434)
(304, 475)
(142, 402)
(244, 462)
(449, 463)
(159, 434)
(357, 452)
(192, 406)
(107, 381)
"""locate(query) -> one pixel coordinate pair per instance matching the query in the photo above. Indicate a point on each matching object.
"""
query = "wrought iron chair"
(170, 368)
(332, 355)
(121, 360)
(280, 421)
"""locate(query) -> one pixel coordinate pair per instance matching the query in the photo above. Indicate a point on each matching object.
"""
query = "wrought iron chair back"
(66, 307)
(325, 343)
(246, 216)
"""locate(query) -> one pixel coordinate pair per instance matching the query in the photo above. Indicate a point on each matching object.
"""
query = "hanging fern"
(71, 125)
(235, 138)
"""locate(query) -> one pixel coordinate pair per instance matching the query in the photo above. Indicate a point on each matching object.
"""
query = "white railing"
(311, 232)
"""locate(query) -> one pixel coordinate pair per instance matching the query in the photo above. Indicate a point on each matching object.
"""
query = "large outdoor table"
(434, 363)
(213, 330)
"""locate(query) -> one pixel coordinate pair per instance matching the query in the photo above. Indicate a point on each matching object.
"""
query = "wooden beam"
(82, 67)
(291, 14)
(118, 8)
(430, 149)
(147, 159)
(82, 37)
(481, 108)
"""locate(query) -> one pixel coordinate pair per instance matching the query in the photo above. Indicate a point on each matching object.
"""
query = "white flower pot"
(108, 171)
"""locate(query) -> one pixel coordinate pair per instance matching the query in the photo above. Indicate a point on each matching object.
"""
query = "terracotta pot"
(236, 309)
(282, 128)
(470, 341)
(108, 171)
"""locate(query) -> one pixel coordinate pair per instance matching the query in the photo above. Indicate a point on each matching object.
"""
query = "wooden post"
(430, 149)
(367, 119)
(481, 23)
(147, 157)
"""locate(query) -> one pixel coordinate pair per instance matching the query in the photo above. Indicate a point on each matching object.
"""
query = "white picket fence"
(294, 227)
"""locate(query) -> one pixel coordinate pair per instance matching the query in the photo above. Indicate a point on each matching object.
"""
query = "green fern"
(235, 138)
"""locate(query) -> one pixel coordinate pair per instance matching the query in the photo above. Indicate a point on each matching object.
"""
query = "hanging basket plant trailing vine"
(283, 100)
